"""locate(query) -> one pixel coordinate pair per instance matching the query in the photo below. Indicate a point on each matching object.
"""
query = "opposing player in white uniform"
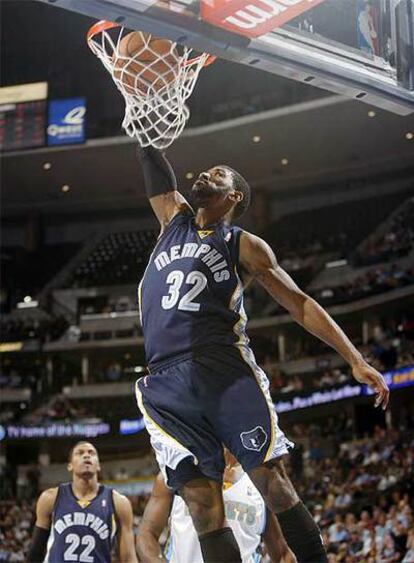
(245, 511)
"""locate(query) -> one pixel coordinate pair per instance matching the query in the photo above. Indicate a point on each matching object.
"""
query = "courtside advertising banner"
(66, 124)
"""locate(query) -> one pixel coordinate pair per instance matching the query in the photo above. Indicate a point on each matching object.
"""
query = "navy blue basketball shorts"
(194, 405)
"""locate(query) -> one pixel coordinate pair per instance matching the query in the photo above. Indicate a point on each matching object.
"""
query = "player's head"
(222, 186)
(83, 460)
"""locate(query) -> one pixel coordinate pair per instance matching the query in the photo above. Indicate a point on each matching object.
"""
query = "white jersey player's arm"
(275, 543)
(44, 510)
(259, 260)
(154, 520)
(123, 510)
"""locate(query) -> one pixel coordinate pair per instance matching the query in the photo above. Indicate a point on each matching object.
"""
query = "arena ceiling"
(319, 137)
(335, 139)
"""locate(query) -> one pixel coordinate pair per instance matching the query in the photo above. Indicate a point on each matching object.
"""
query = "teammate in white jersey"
(246, 515)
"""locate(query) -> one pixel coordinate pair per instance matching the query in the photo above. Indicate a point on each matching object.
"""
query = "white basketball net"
(155, 113)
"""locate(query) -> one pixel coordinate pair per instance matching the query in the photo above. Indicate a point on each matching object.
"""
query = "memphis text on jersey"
(87, 520)
(211, 257)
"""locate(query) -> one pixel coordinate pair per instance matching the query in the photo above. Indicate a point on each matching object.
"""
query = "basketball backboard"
(362, 49)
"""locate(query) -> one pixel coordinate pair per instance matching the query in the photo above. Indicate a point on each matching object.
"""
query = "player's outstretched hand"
(364, 373)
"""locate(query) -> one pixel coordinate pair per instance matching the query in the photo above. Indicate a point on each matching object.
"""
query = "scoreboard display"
(22, 125)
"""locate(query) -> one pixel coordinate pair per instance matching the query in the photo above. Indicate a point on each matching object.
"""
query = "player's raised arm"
(161, 185)
(123, 509)
(258, 259)
(44, 509)
(154, 520)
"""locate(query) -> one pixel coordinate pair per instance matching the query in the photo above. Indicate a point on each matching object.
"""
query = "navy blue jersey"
(81, 531)
(191, 295)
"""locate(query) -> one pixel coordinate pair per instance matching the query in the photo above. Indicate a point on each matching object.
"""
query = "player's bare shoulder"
(44, 507)
(47, 499)
(120, 500)
(122, 506)
(255, 255)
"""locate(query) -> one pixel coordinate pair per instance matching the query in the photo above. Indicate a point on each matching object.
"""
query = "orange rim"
(104, 25)
(210, 59)
(98, 27)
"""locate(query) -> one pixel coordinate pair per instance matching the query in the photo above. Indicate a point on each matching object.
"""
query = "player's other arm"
(258, 259)
(154, 520)
(161, 185)
(123, 509)
(44, 509)
(274, 541)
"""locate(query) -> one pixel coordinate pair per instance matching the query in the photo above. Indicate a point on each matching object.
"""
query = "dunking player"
(245, 511)
(205, 388)
(78, 521)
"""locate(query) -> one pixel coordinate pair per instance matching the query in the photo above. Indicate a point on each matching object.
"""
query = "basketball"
(141, 62)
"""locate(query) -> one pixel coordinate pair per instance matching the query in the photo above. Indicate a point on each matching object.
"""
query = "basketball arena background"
(333, 193)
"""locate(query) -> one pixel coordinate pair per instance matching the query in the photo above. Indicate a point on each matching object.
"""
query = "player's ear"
(236, 196)
(69, 467)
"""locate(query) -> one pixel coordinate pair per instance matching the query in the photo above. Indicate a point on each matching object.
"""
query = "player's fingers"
(386, 398)
(383, 393)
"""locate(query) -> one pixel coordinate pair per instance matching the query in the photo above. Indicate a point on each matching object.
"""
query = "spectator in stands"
(337, 531)
(113, 372)
(396, 241)
(344, 499)
(122, 474)
(409, 556)
(389, 553)
(60, 409)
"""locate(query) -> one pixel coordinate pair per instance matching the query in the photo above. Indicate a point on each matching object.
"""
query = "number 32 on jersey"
(187, 302)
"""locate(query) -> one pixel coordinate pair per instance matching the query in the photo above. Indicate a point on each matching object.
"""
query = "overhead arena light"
(32, 304)
(336, 263)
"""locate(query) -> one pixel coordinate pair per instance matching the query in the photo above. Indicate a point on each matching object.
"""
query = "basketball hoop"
(155, 84)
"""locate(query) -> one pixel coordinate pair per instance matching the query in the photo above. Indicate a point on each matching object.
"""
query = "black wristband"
(159, 177)
(219, 546)
(37, 550)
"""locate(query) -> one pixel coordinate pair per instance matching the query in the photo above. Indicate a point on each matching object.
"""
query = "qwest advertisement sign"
(253, 18)
(66, 124)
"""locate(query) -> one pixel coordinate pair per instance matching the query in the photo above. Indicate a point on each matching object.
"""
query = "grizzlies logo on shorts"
(254, 439)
